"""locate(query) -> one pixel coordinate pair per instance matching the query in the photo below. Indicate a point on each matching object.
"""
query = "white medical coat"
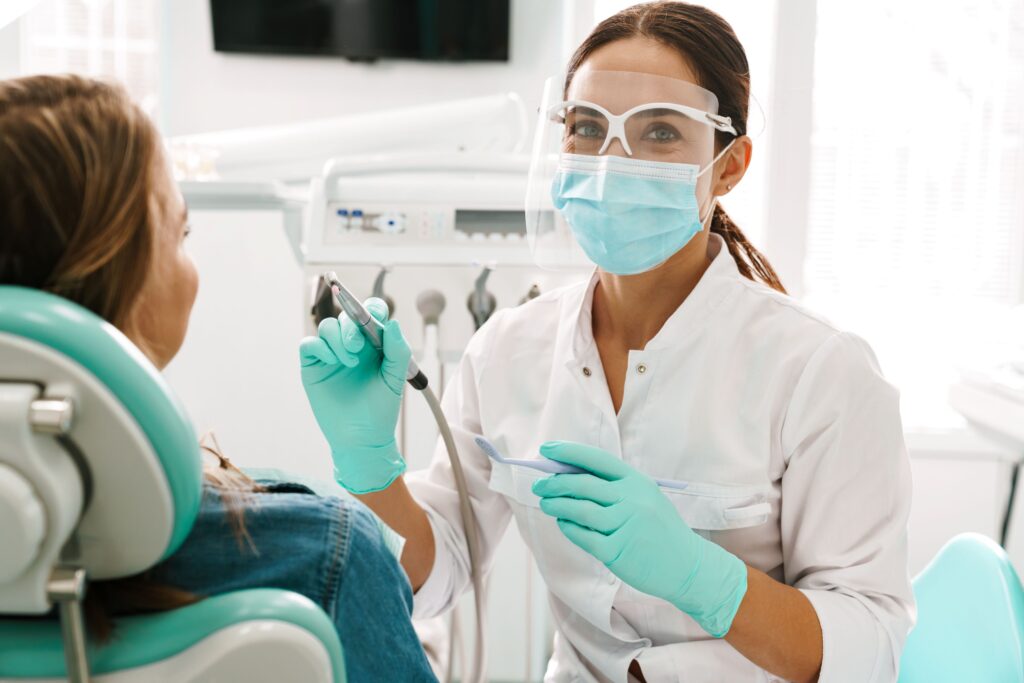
(783, 425)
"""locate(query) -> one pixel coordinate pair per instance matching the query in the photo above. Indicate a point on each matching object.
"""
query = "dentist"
(682, 358)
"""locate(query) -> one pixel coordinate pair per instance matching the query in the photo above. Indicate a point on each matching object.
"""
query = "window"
(916, 227)
(114, 39)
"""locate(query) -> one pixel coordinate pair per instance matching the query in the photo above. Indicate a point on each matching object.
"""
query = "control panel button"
(391, 223)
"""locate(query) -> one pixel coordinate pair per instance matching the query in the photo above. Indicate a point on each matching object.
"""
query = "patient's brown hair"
(76, 157)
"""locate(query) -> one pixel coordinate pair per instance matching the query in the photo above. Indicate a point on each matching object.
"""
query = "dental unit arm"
(430, 304)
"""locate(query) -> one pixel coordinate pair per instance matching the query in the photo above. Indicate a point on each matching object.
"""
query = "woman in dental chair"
(89, 211)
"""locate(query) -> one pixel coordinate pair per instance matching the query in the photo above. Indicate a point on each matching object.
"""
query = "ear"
(730, 169)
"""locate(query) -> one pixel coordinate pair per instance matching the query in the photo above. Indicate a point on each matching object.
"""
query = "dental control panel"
(451, 211)
(389, 224)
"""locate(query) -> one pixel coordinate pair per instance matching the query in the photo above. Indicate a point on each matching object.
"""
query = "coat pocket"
(714, 507)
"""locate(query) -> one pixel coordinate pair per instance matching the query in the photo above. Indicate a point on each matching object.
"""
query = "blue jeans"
(326, 548)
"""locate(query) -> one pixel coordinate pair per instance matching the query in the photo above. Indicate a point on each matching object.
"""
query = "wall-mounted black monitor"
(456, 30)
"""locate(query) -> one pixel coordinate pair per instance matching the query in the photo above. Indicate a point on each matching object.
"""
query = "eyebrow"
(184, 213)
(652, 113)
(585, 111)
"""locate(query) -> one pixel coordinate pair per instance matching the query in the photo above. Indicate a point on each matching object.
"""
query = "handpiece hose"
(371, 329)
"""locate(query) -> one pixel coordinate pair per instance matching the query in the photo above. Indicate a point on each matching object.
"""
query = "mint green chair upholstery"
(100, 477)
(970, 619)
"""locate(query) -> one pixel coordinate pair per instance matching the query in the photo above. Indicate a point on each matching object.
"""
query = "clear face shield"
(615, 140)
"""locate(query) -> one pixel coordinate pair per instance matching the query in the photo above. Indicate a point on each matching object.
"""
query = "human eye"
(587, 129)
(661, 133)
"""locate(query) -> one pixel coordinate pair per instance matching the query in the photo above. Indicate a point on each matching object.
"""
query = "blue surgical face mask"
(629, 215)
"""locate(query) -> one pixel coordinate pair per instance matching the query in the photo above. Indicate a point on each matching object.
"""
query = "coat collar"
(717, 282)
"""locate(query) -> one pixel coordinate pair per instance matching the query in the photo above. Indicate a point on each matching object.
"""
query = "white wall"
(237, 372)
(10, 50)
(958, 495)
(203, 90)
(961, 483)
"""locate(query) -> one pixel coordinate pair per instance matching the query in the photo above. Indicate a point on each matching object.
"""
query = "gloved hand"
(619, 516)
(355, 393)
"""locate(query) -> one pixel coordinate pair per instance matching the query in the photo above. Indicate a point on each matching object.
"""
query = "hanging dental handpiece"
(378, 289)
(481, 303)
(324, 303)
(532, 294)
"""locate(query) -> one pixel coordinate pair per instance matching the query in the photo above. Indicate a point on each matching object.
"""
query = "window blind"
(916, 229)
(112, 39)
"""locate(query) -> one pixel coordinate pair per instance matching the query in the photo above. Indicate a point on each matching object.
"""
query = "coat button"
(587, 372)
(641, 368)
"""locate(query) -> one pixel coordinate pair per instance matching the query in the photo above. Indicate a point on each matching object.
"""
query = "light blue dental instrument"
(553, 466)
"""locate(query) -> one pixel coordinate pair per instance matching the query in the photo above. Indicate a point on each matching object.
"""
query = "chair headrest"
(136, 438)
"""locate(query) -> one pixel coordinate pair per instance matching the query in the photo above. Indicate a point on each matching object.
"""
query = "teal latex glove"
(356, 392)
(622, 518)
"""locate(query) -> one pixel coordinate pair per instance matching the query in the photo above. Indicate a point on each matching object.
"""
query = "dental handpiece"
(370, 326)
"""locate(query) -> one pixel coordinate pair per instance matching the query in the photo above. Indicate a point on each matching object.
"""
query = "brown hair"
(75, 159)
(75, 163)
(708, 42)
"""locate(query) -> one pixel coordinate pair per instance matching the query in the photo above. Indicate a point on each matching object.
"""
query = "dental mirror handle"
(371, 328)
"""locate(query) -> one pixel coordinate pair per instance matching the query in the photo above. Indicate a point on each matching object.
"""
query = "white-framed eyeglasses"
(589, 128)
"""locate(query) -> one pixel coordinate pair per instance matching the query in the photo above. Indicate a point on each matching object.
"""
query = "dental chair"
(970, 617)
(100, 477)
